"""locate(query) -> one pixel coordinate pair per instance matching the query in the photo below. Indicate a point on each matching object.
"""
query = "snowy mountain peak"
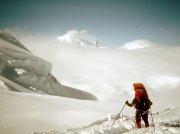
(79, 38)
(138, 44)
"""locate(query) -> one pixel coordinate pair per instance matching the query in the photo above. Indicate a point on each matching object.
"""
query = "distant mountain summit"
(22, 71)
(138, 44)
(81, 38)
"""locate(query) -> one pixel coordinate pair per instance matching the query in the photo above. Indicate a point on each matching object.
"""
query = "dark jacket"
(142, 105)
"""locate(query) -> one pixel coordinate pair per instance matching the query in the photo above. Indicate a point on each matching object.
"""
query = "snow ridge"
(126, 125)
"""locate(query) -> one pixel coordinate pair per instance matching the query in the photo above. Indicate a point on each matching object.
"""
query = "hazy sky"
(112, 22)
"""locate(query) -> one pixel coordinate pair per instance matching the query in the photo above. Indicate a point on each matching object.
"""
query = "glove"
(127, 102)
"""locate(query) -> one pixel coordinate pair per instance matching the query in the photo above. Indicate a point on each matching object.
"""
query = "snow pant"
(144, 116)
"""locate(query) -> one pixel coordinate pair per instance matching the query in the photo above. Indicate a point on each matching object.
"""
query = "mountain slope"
(33, 73)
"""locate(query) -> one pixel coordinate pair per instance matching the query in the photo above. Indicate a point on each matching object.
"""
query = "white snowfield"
(26, 113)
(22, 113)
(166, 122)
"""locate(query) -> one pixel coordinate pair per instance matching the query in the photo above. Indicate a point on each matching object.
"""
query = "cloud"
(165, 82)
(108, 73)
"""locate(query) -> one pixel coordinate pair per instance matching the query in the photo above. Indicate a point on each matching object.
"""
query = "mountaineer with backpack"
(142, 104)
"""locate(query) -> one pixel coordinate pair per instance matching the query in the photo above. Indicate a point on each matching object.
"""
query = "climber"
(142, 104)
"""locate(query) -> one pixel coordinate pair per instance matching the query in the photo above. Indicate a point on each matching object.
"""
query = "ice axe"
(118, 114)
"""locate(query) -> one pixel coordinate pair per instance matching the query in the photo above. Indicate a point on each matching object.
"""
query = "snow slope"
(166, 122)
(23, 113)
(17, 64)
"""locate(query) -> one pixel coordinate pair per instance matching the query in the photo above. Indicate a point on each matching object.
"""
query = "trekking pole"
(118, 114)
(152, 119)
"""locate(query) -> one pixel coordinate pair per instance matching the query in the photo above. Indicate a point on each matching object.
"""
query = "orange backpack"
(141, 88)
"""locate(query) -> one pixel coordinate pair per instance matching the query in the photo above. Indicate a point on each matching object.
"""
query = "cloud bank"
(109, 73)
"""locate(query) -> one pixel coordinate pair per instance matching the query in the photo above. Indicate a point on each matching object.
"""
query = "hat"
(138, 93)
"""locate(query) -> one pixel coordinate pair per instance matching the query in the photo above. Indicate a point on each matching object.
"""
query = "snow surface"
(166, 122)
(22, 113)
(43, 114)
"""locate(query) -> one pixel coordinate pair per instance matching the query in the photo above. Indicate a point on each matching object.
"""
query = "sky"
(112, 22)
